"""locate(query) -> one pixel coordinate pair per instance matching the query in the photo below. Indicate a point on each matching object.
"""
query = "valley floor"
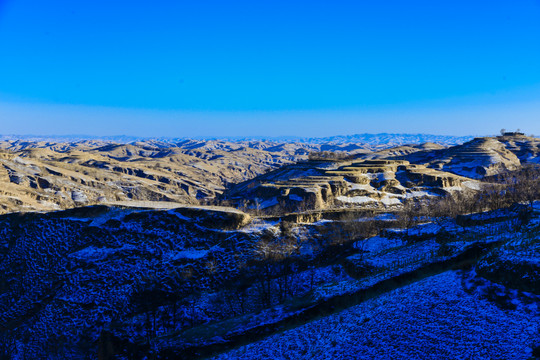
(441, 317)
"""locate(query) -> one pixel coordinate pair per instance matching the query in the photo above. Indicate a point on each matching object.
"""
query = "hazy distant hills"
(375, 140)
(392, 139)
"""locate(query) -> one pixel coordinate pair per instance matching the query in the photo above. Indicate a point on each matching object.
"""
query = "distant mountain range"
(393, 139)
(382, 139)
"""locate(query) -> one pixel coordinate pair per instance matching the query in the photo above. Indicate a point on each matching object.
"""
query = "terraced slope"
(526, 148)
(47, 175)
(481, 156)
(325, 184)
(52, 176)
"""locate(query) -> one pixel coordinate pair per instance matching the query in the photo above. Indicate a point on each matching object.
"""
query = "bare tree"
(527, 184)
(411, 213)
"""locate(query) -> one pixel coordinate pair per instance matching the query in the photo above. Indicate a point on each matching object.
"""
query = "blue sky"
(306, 68)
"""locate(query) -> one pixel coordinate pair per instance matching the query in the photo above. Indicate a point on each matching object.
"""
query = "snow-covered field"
(126, 266)
(432, 319)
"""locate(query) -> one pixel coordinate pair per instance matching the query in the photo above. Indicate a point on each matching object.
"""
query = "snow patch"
(186, 254)
(473, 185)
(355, 199)
(387, 200)
(295, 197)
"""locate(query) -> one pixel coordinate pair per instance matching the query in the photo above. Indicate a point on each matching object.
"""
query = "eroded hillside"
(52, 176)
(384, 178)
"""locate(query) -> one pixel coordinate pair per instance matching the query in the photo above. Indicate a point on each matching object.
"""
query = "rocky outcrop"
(359, 183)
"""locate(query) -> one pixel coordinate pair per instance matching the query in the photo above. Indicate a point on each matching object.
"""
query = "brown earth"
(46, 176)
(53, 175)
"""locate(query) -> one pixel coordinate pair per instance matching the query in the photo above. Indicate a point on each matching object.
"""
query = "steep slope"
(49, 176)
(66, 275)
(526, 148)
(475, 159)
(318, 184)
(433, 319)
(115, 282)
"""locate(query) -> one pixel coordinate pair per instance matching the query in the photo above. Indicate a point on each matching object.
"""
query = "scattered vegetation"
(143, 278)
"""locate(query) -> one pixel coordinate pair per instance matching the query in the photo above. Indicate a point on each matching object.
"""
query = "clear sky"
(306, 68)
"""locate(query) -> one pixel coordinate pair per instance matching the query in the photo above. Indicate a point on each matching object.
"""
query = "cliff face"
(386, 177)
(319, 185)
